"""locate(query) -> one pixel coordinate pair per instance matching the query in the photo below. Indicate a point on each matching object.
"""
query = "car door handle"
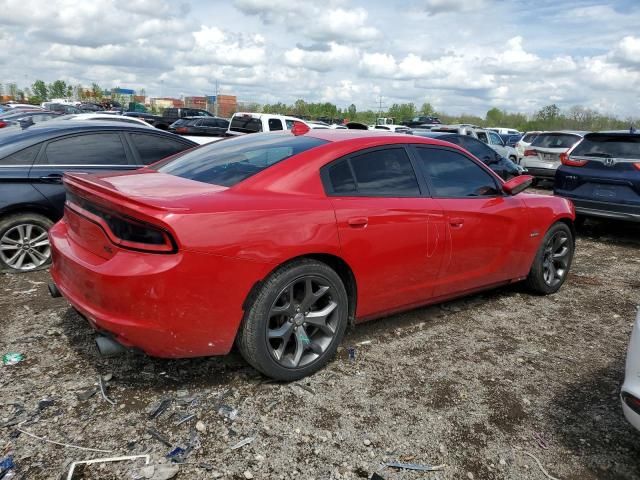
(358, 222)
(52, 178)
(456, 222)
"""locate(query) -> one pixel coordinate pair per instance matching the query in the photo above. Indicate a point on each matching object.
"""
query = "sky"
(461, 56)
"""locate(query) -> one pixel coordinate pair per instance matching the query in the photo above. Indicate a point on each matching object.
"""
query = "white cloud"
(434, 7)
(334, 56)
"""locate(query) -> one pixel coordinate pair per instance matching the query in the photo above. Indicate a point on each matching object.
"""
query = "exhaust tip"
(108, 347)
(53, 290)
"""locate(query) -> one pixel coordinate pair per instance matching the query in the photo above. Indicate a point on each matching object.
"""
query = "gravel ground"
(475, 385)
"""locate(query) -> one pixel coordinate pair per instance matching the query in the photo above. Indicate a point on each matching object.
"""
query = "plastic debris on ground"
(415, 466)
(12, 358)
(105, 460)
(352, 353)
(6, 467)
(243, 442)
(228, 412)
(159, 408)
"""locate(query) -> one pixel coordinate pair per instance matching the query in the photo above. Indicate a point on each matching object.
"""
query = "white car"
(630, 394)
(525, 142)
(392, 128)
(496, 143)
(504, 131)
(246, 122)
(542, 158)
(103, 116)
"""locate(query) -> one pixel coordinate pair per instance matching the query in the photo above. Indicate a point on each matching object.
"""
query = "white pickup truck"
(244, 122)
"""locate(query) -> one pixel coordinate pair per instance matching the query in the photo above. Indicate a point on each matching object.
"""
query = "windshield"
(614, 146)
(232, 160)
(555, 140)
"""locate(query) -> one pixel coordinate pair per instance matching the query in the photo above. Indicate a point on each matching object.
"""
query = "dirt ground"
(475, 385)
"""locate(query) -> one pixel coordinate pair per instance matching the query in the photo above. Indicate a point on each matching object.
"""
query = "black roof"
(22, 138)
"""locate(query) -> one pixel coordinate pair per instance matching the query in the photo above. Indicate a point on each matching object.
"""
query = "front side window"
(379, 173)
(152, 148)
(93, 149)
(230, 161)
(451, 174)
(495, 139)
(21, 157)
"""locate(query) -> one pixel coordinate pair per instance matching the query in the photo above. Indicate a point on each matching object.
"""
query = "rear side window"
(609, 146)
(22, 157)
(529, 137)
(246, 124)
(152, 148)
(275, 124)
(555, 140)
(93, 149)
(230, 161)
(380, 173)
(451, 174)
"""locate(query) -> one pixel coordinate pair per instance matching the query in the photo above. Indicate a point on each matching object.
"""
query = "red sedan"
(279, 241)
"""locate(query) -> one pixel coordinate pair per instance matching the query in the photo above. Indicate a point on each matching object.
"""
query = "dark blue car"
(601, 175)
(32, 162)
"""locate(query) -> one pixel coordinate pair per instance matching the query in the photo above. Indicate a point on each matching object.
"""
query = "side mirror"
(517, 184)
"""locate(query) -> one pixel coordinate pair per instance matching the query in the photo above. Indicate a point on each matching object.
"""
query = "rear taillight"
(637, 165)
(124, 231)
(3, 124)
(570, 162)
(530, 153)
(181, 130)
(632, 402)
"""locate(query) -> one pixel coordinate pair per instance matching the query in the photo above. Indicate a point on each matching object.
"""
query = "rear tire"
(296, 321)
(24, 243)
(552, 261)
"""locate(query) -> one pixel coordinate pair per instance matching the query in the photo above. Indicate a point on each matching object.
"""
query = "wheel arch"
(569, 223)
(342, 268)
(20, 209)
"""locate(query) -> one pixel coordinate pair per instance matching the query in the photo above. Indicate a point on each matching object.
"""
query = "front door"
(88, 153)
(482, 222)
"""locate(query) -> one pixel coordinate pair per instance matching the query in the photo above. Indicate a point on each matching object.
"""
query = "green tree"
(549, 112)
(58, 89)
(427, 109)
(402, 112)
(39, 89)
(352, 111)
(96, 92)
(12, 89)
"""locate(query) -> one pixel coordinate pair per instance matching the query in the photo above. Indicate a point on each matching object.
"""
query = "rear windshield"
(246, 124)
(529, 137)
(232, 160)
(555, 140)
(609, 146)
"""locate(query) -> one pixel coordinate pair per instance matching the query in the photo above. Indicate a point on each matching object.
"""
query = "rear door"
(149, 148)
(88, 152)
(391, 232)
(484, 227)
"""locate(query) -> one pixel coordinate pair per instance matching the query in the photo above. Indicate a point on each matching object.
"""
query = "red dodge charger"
(279, 241)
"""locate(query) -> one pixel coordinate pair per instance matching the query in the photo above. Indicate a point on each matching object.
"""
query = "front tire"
(552, 261)
(24, 243)
(296, 321)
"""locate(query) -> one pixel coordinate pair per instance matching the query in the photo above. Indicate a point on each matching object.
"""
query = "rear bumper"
(592, 208)
(631, 384)
(540, 172)
(180, 305)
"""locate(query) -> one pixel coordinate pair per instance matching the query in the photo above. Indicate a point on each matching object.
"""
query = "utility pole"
(216, 98)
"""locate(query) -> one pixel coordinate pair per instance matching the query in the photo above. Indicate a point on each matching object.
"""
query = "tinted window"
(152, 148)
(222, 123)
(555, 140)
(454, 175)
(609, 146)
(275, 124)
(495, 138)
(289, 124)
(385, 172)
(341, 178)
(22, 157)
(475, 147)
(96, 149)
(231, 161)
(529, 137)
(246, 124)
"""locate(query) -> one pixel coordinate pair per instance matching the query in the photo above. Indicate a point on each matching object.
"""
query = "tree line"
(549, 117)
